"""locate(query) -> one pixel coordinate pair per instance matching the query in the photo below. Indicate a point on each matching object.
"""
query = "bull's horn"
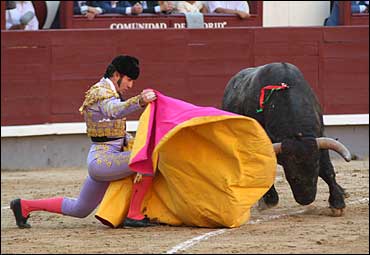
(331, 144)
(277, 148)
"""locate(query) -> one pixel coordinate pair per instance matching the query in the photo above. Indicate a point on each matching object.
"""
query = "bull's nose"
(304, 199)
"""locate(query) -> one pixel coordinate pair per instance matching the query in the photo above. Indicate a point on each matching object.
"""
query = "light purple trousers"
(106, 162)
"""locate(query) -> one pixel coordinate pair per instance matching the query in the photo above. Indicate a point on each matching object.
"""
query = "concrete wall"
(70, 151)
(49, 151)
(195, 66)
(355, 138)
(295, 13)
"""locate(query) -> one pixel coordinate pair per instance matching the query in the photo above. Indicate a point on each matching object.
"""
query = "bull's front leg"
(337, 193)
(270, 199)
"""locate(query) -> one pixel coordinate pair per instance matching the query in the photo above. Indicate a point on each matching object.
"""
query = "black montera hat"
(127, 65)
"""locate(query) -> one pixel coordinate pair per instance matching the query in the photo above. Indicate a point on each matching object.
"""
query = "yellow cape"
(211, 170)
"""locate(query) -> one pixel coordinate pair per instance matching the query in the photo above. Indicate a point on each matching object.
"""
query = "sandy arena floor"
(287, 228)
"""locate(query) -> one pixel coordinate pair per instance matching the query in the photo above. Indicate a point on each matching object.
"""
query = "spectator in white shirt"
(239, 8)
(87, 8)
(191, 7)
(22, 17)
(360, 6)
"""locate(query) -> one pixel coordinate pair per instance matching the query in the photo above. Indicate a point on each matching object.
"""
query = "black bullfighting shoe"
(21, 221)
(138, 223)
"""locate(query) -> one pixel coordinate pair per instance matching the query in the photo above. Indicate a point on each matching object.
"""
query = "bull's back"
(242, 92)
(297, 104)
(239, 91)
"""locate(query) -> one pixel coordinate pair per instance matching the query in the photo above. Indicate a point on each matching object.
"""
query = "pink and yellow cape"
(210, 166)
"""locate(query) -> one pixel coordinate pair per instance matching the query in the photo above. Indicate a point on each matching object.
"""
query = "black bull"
(292, 118)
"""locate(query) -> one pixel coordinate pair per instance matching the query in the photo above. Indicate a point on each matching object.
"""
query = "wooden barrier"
(44, 74)
(348, 18)
(3, 8)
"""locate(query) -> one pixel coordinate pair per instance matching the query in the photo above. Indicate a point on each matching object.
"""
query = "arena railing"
(114, 21)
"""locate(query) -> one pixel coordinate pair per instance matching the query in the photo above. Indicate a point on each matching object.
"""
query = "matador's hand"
(147, 96)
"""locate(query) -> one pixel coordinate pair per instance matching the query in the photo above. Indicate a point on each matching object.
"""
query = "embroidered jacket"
(104, 112)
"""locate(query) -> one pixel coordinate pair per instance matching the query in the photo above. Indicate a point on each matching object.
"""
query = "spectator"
(120, 7)
(360, 6)
(240, 8)
(154, 6)
(167, 6)
(88, 8)
(56, 22)
(10, 5)
(333, 19)
(22, 17)
(356, 7)
(191, 7)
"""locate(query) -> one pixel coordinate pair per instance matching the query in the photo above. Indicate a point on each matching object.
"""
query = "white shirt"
(232, 5)
(13, 16)
(362, 7)
(185, 7)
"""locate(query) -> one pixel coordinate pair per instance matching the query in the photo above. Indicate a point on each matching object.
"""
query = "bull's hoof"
(262, 205)
(269, 200)
(337, 212)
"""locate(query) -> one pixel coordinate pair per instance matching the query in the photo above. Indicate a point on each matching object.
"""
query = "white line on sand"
(191, 242)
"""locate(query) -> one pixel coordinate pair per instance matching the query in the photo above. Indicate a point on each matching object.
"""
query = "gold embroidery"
(108, 128)
(115, 109)
(111, 128)
(108, 163)
(132, 101)
(129, 146)
(97, 92)
(118, 163)
(109, 158)
(100, 132)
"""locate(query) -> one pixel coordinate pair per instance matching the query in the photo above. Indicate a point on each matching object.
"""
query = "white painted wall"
(295, 13)
(70, 150)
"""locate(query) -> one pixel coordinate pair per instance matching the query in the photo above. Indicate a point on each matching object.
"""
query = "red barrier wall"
(3, 8)
(44, 74)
